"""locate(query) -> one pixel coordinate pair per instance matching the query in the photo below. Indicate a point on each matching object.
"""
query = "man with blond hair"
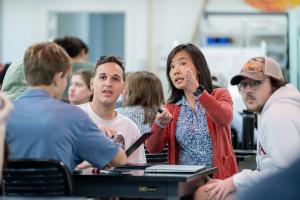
(41, 126)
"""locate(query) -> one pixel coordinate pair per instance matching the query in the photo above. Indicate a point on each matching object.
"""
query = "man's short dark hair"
(72, 45)
(111, 59)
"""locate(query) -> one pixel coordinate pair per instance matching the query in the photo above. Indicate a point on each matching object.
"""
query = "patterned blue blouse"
(192, 135)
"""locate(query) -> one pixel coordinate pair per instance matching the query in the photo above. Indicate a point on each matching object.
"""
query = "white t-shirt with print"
(124, 126)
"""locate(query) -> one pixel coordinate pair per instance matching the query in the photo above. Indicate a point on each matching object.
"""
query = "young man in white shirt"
(107, 84)
(42, 126)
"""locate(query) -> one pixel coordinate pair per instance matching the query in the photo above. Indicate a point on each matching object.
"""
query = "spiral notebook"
(175, 168)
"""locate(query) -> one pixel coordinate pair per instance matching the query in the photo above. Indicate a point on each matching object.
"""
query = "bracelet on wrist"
(159, 124)
(198, 91)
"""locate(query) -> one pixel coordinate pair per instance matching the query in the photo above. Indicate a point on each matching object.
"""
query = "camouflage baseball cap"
(257, 68)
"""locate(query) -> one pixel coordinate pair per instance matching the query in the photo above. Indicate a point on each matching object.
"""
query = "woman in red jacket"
(195, 123)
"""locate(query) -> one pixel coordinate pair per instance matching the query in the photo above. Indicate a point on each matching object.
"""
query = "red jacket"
(218, 106)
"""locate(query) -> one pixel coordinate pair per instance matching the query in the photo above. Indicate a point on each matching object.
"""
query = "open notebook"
(175, 168)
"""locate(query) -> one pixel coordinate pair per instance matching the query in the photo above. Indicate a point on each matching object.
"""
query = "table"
(244, 151)
(41, 198)
(137, 184)
(245, 158)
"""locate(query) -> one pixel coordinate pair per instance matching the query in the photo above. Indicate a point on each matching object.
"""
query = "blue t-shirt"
(43, 127)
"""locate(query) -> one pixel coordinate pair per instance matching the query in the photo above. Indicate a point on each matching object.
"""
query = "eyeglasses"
(253, 84)
(105, 59)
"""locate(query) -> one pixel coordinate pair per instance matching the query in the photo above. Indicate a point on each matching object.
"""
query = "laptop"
(175, 168)
(138, 143)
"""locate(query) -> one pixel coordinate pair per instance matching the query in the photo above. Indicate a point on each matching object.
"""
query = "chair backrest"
(36, 177)
(156, 158)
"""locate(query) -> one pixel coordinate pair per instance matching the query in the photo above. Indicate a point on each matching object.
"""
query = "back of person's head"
(84, 51)
(200, 63)
(42, 61)
(110, 59)
(218, 80)
(72, 45)
(144, 89)
(84, 47)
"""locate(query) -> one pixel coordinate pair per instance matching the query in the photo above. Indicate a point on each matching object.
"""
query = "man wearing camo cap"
(277, 103)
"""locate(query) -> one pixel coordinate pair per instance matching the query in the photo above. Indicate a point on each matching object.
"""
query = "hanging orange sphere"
(273, 5)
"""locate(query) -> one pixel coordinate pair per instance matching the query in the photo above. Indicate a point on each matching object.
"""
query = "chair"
(155, 158)
(234, 138)
(36, 177)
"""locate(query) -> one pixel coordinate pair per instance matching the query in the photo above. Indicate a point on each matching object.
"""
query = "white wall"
(77, 23)
(229, 5)
(152, 27)
(1, 19)
(25, 22)
(174, 21)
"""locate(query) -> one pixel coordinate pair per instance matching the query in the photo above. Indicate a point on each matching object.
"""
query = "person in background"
(107, 84)
(196, 120)
(78, 51)
(264, 91)
(143, 96)
(79, 90)
(41, 126)
(5, 108)
(14, 83)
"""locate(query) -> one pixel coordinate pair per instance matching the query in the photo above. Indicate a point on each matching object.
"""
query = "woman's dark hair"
(199, 61)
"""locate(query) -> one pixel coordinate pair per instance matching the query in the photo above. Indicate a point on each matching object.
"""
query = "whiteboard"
(229, 60)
